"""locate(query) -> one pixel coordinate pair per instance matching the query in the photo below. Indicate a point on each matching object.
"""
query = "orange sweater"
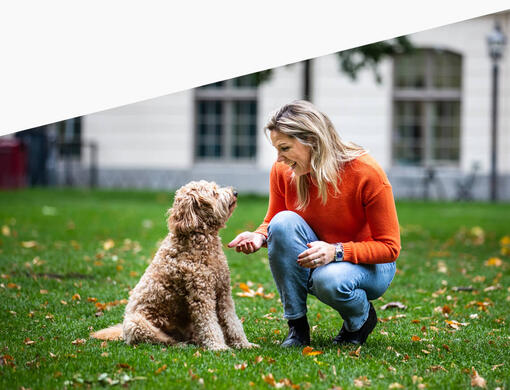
(362, 217)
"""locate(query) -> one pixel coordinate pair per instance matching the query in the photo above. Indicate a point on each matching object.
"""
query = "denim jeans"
(345, 286)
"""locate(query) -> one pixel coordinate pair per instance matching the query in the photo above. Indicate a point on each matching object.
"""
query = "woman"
(331, 227)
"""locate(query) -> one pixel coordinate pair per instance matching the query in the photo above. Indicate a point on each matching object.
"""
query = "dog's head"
(201, 206)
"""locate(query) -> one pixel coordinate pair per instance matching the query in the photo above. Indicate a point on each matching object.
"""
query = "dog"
(184, 295)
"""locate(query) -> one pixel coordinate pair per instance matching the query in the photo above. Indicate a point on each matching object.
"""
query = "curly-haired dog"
(184, 295)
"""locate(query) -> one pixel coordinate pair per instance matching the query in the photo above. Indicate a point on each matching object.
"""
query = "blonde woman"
(331, 227)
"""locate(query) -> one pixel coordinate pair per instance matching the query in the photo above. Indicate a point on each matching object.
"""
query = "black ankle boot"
(299, 333)
(360, 336)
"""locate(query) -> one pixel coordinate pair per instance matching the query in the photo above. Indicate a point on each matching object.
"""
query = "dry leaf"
(160, 369)
(437, 368)
(28, 244)
(398, 305)
(477, 380)
(258, 359)
(241, 366)
(415, 338)
(361, 381)
(308, 351)
(6, 230)
(43, 292)
(28, 341)
(497, 366)
(76, 297)
(356, 352)
(78, 342)
(494, 262)
(108, 244)
(395, 385)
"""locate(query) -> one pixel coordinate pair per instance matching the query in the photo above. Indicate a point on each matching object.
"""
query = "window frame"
(426, 96)
(228, 95)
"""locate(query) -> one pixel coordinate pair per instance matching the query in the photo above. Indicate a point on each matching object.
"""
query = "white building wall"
(284, 86)
(360, 110)
(504, 101)
(156, 133)
(469, 40)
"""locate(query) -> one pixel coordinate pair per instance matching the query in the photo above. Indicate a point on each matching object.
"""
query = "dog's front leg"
(232, 326)
(206, 328)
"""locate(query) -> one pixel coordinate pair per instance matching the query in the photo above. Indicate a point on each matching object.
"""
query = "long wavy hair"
(304, 122)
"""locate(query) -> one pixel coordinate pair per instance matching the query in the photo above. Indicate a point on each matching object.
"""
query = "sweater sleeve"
(383, 222)
(276, 200)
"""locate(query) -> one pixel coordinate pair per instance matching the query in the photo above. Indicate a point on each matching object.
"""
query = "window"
(226, 120)
(426, 108)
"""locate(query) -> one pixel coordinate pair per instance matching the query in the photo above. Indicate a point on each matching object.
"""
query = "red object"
(13, 166)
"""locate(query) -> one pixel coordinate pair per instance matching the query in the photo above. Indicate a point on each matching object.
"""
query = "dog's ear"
(183, 217)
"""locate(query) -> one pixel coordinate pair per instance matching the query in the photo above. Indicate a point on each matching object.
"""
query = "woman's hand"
(247, 242)
(320, 253)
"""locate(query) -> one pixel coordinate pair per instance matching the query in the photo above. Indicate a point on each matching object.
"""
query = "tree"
(352, 61)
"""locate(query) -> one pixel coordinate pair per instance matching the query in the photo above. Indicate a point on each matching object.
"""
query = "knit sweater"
(362, 216)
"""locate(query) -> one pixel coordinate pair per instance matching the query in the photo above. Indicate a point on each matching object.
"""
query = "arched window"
(426, 108)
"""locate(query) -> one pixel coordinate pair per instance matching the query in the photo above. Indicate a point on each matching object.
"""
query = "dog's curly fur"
(184, 295)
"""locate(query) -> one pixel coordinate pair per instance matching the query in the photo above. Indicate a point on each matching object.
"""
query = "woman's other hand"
(319, 253)
(247, 242)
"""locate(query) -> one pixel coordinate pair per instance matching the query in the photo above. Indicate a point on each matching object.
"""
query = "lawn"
(68, 259)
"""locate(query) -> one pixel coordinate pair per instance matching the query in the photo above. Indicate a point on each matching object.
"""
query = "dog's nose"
(235, 193)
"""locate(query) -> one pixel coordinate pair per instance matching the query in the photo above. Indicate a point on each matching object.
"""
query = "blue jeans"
(346, 287)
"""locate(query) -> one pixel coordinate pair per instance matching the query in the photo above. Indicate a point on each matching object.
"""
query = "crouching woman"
(331, 227)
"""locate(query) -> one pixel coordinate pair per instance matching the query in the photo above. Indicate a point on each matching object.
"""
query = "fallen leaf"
(497, 366)
(362, 381)
(78, 342)
(395, 385)
(356, 352)
(6, 230)
(258, 359)
(28, 244)
(415, 338)
(308, 351)
(108, 244)
(161, 369)
(13, 285)
(43, 292)
(241, 366)
(494, 262)
(76, 297)
(455, 324)
(398, 305)
(437, 368)
(477, 380)
(27, 341)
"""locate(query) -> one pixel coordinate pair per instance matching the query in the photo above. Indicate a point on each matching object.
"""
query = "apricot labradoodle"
(184, 295)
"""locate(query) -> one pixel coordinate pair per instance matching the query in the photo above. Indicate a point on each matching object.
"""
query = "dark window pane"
(209, 129)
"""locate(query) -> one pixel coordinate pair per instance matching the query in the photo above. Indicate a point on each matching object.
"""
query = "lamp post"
(496, 41)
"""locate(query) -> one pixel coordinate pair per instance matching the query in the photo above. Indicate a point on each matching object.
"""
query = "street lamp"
(496, 41)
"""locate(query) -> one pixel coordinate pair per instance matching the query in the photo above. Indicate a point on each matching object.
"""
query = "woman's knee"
(284, 223)
(331, 286)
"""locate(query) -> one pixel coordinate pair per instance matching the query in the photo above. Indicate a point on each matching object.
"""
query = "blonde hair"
(304, 122)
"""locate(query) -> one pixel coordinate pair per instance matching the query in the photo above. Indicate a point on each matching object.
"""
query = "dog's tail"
(111, 333)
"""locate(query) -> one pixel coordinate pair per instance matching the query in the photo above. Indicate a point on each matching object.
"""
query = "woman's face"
(292, 152)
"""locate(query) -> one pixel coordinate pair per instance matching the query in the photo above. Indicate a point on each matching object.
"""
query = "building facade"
(428, 122)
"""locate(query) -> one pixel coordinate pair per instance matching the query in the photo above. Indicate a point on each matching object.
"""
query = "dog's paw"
(246, 345)
(218, 347)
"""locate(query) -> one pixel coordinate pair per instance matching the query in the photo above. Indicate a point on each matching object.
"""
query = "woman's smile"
(292, 152)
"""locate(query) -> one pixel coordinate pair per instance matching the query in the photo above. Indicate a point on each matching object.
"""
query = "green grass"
(52, 247)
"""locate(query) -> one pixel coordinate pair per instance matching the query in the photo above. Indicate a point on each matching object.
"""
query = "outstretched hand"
(247, 242)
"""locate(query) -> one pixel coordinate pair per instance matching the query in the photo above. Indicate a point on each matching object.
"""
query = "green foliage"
(369, 56)
(62, 250)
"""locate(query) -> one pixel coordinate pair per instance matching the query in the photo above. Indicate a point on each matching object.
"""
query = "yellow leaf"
(395, 385)
(6, 230)
(416, 338)
(308, 351)
(108, 244)
(43, 291)
(76, 297)
(28, 244)
(494, 262)
(243, 286)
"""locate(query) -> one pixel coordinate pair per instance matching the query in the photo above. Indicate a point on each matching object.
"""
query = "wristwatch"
(339, 252)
